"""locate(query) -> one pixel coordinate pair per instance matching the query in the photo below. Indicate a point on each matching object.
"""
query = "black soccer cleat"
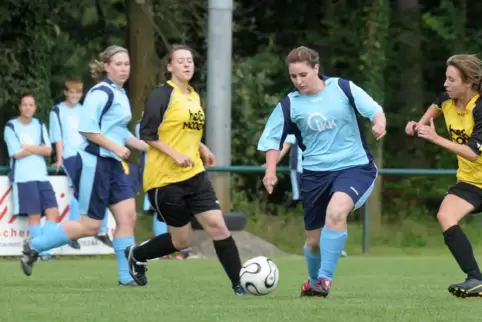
(129, 284)
(74, 244)
(104, 239)
(136, 269)
(471, 287)
(29, 257)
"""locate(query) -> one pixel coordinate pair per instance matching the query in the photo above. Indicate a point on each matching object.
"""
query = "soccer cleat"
(470, 288)
(240, 291)
(322, 286)
(344, 254)
(104, 239)
(74, 244)
(136, 269)
(29, 257)
(307, 290)
(46, 258)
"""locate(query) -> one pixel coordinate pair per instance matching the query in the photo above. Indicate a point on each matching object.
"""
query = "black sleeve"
(156, 105)
(440, 99)
(475, 142)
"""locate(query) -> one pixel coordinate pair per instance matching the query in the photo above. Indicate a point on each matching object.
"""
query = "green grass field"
(365, 289)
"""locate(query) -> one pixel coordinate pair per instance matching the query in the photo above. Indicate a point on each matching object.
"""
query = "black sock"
(228, 255)
(461, 249)
(157, 247)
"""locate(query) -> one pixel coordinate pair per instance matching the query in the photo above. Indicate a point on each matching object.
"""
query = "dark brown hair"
(303, 55)
(175, 48)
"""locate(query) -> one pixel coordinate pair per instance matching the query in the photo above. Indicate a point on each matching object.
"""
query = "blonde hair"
(303, 54)
(97, 70)
(470, 69)
(74, 85)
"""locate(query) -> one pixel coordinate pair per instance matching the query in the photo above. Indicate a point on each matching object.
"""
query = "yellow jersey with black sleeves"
(465, 127)
(177, 119)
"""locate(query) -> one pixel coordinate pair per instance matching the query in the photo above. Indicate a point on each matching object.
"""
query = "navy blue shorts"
(318, 187)
(98, 183)
(33, 197)
(70, 169)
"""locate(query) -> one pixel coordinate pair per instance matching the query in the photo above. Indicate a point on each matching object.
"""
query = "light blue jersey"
(106, 111)
(64, 126)
(33, 167)
(325, 126)
(296, 154)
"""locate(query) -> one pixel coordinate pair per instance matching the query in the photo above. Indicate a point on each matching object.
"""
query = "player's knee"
(181, 242)
(313, 245)
(213, 224)
(90, 227)
(446, 220)
(336, 216)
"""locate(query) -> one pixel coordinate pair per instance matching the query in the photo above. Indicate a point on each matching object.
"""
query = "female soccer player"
(461, 107)
(64, 134)
(338, 168)
(174, 176)
(28, 144)
(100, 180)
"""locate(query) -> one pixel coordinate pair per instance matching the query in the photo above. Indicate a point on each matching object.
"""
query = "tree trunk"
(141, 42)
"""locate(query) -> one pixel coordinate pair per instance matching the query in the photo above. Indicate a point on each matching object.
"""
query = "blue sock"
(158, 227)
(36, 231)
(120, 244)
(313, 261)
(74, 209)
(47, 228)
(53, 239)
(332, 244)
(103, 228)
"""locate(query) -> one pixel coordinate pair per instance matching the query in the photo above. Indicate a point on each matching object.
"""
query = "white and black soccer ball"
(259, 275)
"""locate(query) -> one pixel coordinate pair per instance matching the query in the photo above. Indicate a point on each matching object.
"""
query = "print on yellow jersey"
(177, 119)
(465, 127)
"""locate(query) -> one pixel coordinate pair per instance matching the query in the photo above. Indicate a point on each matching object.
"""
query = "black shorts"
(469, 193)
(176, 203)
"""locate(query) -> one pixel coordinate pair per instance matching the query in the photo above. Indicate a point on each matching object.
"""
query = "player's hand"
(57, 166)
(379, 131)
(427, 132)
(270, 181)
(411, 128)
(122, 152)
(183, 160)
(208, 157)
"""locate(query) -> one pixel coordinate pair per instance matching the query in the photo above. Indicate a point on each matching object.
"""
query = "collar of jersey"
(111, 84)
(296, 92)
(172, 84)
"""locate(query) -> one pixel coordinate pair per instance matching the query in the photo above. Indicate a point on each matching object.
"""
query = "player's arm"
(154, 111)
(370, 109)
(14, 147)
(56, 134)
(45, 148)
(272, 139)
(470, 151)
(89, 120)
(132, 142)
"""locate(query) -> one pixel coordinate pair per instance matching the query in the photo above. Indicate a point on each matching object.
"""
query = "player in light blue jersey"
(64, 133)
(338, 169)
(100, 180)
(28, 144)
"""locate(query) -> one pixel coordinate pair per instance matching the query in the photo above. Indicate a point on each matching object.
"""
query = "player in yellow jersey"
(174, 178)
(461, 106)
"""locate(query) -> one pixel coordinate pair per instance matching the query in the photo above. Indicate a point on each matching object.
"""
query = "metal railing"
(257, 169)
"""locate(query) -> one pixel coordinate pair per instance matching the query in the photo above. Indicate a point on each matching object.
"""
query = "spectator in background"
(28, 144)
(64, 134)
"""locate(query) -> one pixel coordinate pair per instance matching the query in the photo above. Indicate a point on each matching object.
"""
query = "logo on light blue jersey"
(319, 123)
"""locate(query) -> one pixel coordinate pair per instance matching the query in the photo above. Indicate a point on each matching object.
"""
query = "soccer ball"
(259, 275)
